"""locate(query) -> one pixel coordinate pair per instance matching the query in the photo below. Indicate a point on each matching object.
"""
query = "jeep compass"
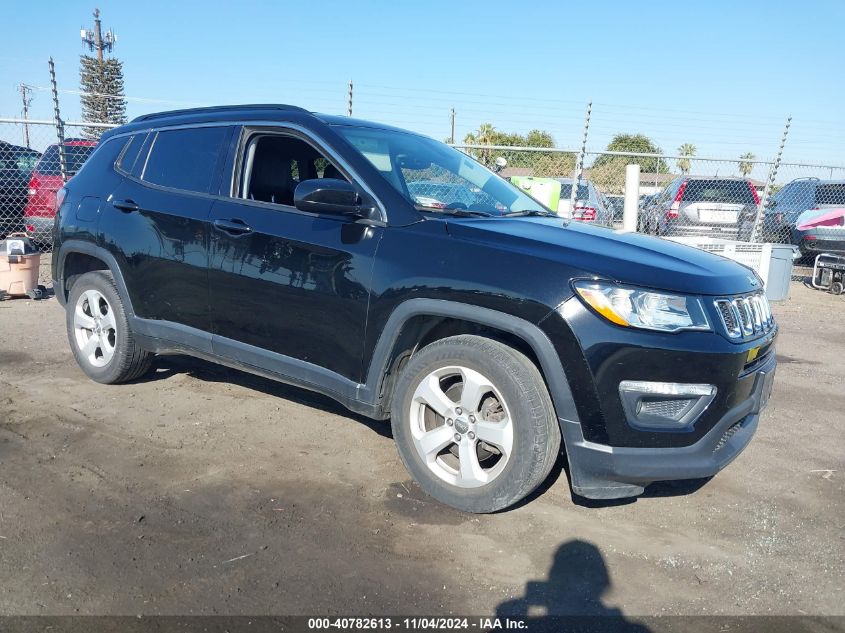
(491, 332)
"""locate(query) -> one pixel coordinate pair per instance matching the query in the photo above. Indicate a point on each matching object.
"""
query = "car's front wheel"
(474, 423)
(99, 333)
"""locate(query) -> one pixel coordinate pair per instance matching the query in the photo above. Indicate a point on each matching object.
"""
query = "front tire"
(99, 333)
(474, 424)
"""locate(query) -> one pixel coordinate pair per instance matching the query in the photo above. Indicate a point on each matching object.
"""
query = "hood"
(629, 258)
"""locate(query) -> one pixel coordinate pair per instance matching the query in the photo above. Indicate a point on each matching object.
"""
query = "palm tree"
(745, 165)
(485, 135)
(687, 149)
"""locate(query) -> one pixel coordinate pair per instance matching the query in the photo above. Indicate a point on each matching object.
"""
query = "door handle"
(233, 227)
(125, 205)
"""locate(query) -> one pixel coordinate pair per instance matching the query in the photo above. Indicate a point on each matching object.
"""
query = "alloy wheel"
(461, 426)
(94, 328)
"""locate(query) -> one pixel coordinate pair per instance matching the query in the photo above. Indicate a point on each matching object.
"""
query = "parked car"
(16, 164)
(703, 206)
(441, 195)
(286, 243)
(589, 203)
(616, 204)
(793, 199)
(45, 181)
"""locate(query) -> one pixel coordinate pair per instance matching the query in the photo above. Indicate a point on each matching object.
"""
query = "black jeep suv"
(488, 330)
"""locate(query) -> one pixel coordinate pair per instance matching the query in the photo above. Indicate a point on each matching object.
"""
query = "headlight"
(646, 309)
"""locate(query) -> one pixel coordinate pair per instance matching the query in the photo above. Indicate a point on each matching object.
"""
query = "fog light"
(664, 406)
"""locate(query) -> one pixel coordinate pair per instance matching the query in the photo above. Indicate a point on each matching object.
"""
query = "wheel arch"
(76, 258)
(418, 322)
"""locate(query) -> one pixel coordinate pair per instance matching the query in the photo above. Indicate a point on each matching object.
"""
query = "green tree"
(745, 165)
(539, 138)
(102, 99)
(687, 149)
(608, 171)
(544, 164)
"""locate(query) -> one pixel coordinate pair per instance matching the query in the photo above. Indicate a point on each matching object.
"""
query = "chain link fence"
(34, 165)
(689, 197)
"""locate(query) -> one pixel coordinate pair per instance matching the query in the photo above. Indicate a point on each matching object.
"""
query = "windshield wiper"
(460, 213)
(530, 212)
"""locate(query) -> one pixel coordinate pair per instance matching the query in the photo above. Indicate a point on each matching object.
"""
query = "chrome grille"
(746, 315)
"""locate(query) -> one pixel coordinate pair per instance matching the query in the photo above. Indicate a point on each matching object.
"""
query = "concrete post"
(632, 198)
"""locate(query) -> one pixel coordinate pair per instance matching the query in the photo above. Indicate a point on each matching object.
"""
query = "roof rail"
(213, 109)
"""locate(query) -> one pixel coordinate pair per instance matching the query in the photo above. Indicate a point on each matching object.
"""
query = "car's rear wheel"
(474, 423)
(99, 332)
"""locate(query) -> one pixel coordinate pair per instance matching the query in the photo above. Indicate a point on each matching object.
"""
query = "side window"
(275, 164)
(185, 159)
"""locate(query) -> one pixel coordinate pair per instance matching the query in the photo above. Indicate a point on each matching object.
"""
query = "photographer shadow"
(570, 598)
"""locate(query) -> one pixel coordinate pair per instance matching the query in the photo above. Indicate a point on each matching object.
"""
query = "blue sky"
(721, 75)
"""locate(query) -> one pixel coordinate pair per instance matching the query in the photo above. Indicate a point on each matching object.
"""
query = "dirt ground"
(202, 490)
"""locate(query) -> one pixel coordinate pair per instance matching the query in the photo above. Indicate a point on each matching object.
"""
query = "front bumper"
(598, 471)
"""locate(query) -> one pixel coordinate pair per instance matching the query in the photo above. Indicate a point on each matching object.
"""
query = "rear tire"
(836, 288)
(474, 424)
(99, 333)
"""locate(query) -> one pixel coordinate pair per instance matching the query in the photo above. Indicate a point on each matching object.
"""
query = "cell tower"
(96, 40)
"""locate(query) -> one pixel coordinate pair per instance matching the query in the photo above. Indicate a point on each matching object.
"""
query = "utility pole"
(26, 99)
(452, 136)
(349, 100)
(95, 39)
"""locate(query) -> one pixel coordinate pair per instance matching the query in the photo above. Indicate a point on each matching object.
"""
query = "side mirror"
(329, 195)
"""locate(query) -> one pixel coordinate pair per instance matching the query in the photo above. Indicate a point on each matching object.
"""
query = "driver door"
(286, 284)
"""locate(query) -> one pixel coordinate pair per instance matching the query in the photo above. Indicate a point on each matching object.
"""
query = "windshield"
(794, 198)
(434, 176)
(75, 156)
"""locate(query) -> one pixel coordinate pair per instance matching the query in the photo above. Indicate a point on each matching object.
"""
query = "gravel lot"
(202, 490)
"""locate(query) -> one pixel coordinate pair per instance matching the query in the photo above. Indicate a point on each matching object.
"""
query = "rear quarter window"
(127, 159)
(185, 159)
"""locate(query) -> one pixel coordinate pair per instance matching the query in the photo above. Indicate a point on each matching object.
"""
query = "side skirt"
(166, 337)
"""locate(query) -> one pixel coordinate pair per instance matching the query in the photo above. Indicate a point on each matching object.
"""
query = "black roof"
(249, 111)
(335, 119)
(223, 109)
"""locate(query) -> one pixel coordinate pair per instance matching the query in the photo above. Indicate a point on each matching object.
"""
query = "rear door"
(158, 218)
(286, 284)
